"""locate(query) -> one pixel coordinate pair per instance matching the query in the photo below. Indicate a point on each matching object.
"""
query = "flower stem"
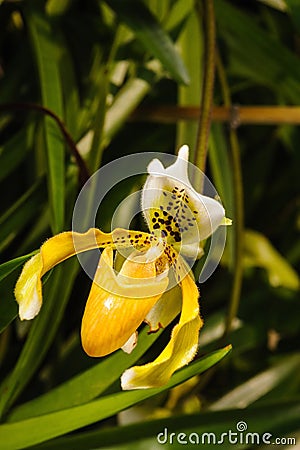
(207, 85)
(238, 219)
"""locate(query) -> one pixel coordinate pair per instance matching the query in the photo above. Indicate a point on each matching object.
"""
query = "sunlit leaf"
(259, 252)
(259, 385)
(277, 418)
(39, 429)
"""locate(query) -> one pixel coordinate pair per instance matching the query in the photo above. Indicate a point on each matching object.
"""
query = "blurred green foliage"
(71, 74)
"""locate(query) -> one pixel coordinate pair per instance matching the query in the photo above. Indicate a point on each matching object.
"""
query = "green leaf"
(259, 385)
(33, 431)
(8, 311)
(14, 151)
(125, 102)
(222, 176)
(90, 384)
(68, 83)
(191, 94)
(46, 50)
(42, 332)
(294, 10)
(8, 267)
(57, 7)
(148, 30)
(177, 13)
(278, 419)
(87, 385)
(259, 252)
(20, 213)
(277, 4)
(220, 166)
(247, 42)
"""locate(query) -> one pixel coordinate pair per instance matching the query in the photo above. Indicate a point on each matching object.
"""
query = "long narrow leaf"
(46, 50)
(33, 431)
(93, 382)
(20, 213)
(43, 331)
(10, 154)
(148, 30)
(248, 42)
(277, 419)
(87, 385)
(259, 385)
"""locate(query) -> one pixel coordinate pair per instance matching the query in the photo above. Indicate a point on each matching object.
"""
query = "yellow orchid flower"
(178, 218)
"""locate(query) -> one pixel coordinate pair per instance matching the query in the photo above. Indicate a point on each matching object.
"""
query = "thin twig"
(83, 171)
(244, 115)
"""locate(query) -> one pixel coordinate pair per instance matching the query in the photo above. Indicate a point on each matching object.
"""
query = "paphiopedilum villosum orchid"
(178, 218)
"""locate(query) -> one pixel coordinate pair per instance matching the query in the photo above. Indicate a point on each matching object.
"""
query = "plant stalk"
(238, 219)
(207, 86)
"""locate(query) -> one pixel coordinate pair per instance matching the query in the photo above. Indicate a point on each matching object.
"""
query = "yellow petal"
(165, 310)
(110, 318)
(180, 350)
(28, 290)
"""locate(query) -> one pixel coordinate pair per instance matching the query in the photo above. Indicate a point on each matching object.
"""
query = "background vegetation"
(72, 74)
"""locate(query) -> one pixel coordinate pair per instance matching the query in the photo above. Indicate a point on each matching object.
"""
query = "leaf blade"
(39, 429)
(150, 33)
(45, 48)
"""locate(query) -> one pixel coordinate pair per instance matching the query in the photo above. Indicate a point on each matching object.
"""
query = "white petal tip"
(183, 152)
(130, 344)
(28, 310)
(155, 168)
(126, 380)
(129, 380)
